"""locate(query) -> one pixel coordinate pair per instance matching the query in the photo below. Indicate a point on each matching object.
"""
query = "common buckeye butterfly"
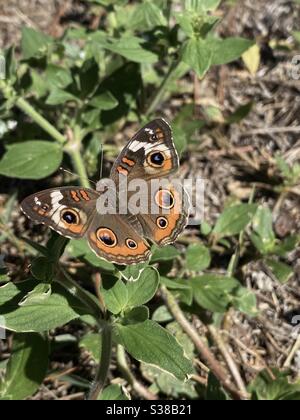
(122, 238)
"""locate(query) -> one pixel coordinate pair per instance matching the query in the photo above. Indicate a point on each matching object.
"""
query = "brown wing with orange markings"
(167, 215)
(67, 210)
(114, 238)
(148, 155)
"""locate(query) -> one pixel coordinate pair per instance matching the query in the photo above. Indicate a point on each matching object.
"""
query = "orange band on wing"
(122, 170)
(74, 196)
(159, 134)
(74, 228)
(84, 195)
(128, 161)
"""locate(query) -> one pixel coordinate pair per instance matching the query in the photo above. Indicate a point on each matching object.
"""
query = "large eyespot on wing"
(125, 249)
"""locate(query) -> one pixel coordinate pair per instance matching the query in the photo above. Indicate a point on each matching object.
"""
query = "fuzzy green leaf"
(150, 343)
(31, 159)
(26, 368)
(234, 220)
(197, 257)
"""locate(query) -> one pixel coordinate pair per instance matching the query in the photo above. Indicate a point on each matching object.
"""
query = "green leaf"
(34, 43)
(135, 315)
(31, 159)
(245, 301)
(150, 343)
(265, 388)
(185, 126)
(287, 245)
(282, 271)
(197, 257)
(105, 101)
(167, 253)
(131, 272)
(296, 35)
(10, 64)
(197, 56)
(234, 220)
(79, 248)
(115, 294)
(263, 224)
(130, 47)
(27, 366)
(186, 23)
(167, 384)
(205, 228)
(182, 289)
(147, 16)
(112, 393)
(201, 5)
(162, 314)
(41, 292)
(183, 339)
(57, 76)
(143, 290)
(91, 342)
(264, 238)
(214, 390)
(239, 114)
(180, 139)
(226, 50)
(59, 96)
(42, 269)
(213, 292)
(40, 316)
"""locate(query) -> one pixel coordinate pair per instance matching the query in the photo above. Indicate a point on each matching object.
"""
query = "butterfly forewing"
(67, 210)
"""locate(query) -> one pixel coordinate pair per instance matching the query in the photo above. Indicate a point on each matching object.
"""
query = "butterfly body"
(122, 237)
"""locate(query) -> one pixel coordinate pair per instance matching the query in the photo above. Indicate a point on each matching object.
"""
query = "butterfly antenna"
(101, 161)
(76, 176)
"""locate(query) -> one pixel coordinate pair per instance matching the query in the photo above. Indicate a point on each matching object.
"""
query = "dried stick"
(204, 351)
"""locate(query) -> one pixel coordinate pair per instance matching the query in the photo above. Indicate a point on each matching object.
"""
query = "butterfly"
(122, 238)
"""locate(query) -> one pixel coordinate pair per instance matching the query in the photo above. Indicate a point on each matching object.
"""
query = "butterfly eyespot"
(45, 207)
(164, 199)
(162, 222)
(70, 217)
(107, 237)
(156, 159)
(153, 137)
(131, 244)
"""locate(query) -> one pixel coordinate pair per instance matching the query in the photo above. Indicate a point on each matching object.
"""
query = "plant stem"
(158, 95)
(204, 351)
(93, 305)
(103, 368)
(234, 261)
(78, 164)
(40, 120)
(74, 149)
(227, 357)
